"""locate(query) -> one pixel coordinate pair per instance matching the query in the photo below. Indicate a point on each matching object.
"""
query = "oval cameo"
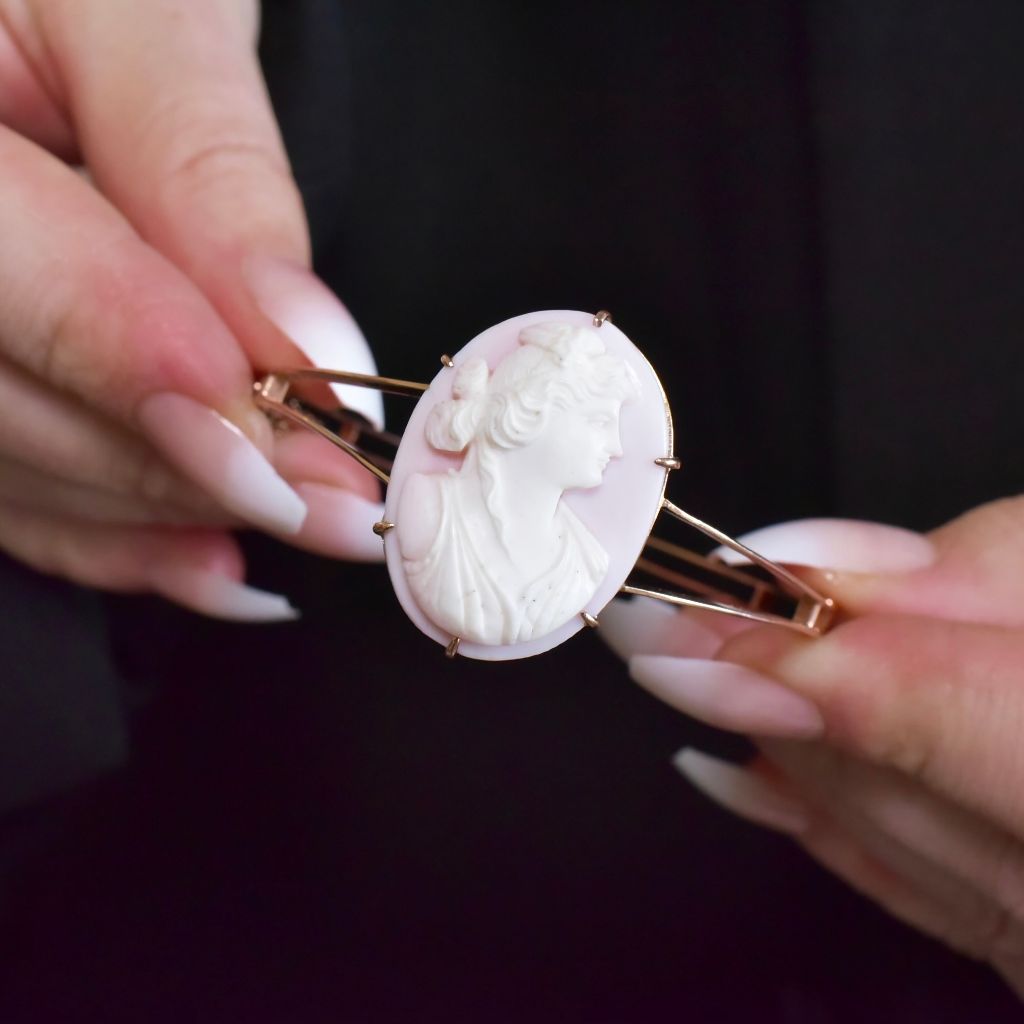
(525, 485)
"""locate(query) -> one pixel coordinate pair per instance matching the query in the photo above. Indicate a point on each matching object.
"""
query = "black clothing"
(810, 217)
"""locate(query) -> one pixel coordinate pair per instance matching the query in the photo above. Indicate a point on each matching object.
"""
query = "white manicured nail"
(846, 545)
(340, 523)
(645, 626)
(218, 596)
(304, 308)
(728, 696)
(214, 453)
(742, 792)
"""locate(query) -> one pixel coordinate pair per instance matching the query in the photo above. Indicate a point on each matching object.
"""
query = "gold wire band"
(812, 612)
(272, 395)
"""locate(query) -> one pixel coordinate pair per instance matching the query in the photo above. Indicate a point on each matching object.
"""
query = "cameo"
(525, 484)
(491, 551)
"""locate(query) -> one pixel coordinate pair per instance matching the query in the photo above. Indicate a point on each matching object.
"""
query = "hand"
(891, 747)
(138, 302)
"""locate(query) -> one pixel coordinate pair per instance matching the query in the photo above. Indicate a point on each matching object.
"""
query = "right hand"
(137, 304)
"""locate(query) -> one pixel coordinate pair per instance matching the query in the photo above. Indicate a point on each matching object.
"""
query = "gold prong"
(589, 620)
(382, 527)
(668, 462)
(447, 360)
(602, 316)
(453, 647)
(273, 387)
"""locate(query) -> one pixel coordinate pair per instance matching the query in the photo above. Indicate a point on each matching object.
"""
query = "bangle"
(524, 492)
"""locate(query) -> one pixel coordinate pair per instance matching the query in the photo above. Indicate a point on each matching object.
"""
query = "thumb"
(971, 569)
(175, 124)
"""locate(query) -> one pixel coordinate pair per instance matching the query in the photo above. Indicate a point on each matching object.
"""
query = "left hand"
(891, 748)
(139, 301)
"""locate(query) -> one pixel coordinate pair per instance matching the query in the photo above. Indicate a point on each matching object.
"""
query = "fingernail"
(218, 596)
(340, 523)
(742, 792)
(307, 311)
(644, 626)
(727, 696)
(214, 453)
(846, 545)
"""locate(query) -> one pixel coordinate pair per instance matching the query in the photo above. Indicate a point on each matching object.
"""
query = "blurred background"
(809, 216)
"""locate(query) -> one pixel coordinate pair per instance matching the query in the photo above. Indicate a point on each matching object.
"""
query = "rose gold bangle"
(524, 492)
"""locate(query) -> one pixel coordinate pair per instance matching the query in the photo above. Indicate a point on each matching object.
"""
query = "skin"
(131, 280)
(915, 793)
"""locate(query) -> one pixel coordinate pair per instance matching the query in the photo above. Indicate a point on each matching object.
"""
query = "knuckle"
(214, 141)
(1008, 887)
(65, 360)
(892, 710)
(139, 471)
(50, 549)
(900, 745)
(999, 936)
(227, 163)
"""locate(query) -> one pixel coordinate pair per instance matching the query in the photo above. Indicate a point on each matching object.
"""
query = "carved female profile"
(491, 552)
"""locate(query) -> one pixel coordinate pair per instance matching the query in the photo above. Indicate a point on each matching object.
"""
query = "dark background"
(809, 215)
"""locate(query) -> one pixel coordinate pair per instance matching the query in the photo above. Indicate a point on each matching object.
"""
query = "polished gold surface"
(812, 612)
(273, 395)
(389, 385)
(589, 620)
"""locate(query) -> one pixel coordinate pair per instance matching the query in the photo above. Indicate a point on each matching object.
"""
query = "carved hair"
(452, 424)
(556, 366)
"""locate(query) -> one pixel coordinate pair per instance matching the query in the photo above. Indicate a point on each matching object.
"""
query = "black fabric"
(918, 112)
(808, 215)
(61, 706)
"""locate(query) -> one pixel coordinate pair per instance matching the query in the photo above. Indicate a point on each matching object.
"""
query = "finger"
(26, 98)
(977, 576)
(939, 701)
(952, 913)
(969, 860)
(199, 569)
(62, 438)
(67, 441)
(640, 627)
(90, 309)
(26, 488)
(971, 569)
(301, 455)
(902, 893)
(176, 127)
(727, 696)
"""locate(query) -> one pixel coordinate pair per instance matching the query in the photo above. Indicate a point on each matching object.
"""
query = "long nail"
(846, 545)
(728, 696)
(214, 453)
(645, 626)
(306, 310)
(742, 792)
(340, 523)
(218, 596)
